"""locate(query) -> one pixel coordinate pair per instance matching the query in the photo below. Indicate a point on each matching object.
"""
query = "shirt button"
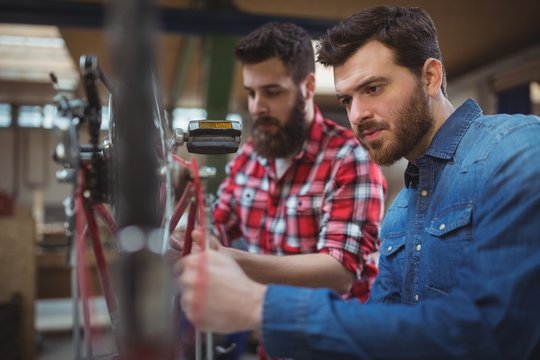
(418, 247)
(416, 297)
(442, 227)
(389, 248)
(423, 192)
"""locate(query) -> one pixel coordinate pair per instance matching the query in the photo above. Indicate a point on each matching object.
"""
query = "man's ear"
(310, 86)
(432, 76)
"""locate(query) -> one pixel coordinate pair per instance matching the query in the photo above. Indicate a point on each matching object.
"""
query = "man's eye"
(373, 89)
(271, 93)
(346, 101)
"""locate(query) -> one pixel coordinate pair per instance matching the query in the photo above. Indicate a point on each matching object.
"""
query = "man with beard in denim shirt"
(460, 253)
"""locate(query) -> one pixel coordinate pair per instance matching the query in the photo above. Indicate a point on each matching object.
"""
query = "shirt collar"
(313, 143)
(448, 137)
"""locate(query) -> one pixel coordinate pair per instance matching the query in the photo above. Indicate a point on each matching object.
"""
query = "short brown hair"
(288, 42)
(408, 31)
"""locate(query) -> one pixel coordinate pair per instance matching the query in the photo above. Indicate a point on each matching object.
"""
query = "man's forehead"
(371, 60)
(269, 66)
(371, 55)
(270, 72)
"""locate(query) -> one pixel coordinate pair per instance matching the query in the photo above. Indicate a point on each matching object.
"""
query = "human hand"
(216, 294)
(198, 237)
(177, 239)
(176, 245)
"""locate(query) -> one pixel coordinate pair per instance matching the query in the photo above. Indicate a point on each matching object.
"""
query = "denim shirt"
(460, 259)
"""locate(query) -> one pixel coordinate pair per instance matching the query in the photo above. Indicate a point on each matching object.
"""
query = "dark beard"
(289, 137)
(413, 122)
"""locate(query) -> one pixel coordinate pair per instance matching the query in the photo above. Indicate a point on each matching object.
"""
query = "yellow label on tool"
(215, 125)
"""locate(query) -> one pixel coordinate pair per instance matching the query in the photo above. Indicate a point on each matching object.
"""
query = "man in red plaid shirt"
(301, 185)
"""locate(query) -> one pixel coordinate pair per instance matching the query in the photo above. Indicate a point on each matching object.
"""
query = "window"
(49, 114)
(5, 115)
(30, 116)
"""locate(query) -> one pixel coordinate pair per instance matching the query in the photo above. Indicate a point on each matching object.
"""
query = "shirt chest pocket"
(393, 253)
(303, 205)
(303, 217)
(452, 224)
(393, 238)
(450, 234)
(251, 198)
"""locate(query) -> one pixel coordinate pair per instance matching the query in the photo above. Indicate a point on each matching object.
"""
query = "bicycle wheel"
(141, 186)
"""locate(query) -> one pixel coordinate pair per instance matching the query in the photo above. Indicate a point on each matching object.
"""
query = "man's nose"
(358, 112)
(258, 106)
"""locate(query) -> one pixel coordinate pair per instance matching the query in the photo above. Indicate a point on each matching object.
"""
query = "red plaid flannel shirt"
(330, 200)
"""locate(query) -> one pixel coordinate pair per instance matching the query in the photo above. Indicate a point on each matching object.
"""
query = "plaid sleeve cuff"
(348, 260)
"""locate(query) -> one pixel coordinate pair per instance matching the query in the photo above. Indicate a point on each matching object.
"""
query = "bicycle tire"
(141, 185)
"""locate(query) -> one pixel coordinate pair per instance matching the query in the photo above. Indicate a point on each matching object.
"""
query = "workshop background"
(491, 50)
